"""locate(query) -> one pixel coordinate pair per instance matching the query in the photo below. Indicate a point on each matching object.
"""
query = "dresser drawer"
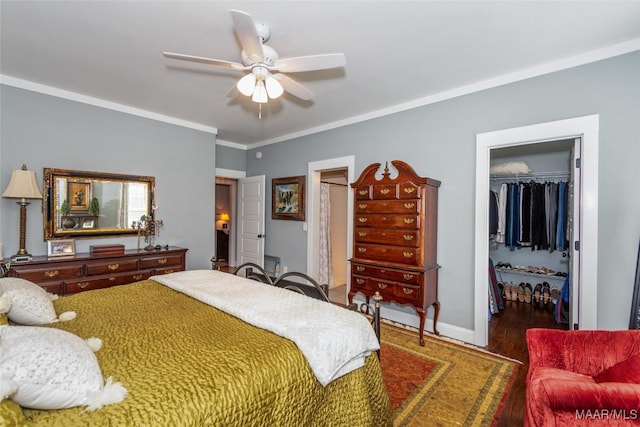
(402, 276)
(363, 192)
(359, 282)
(52, 287)
(409, 190)
(116, 265)
(160, 261)
(384, 191)
(87, 284)
(167, 270)
(388, 221)
(388, 206)
(388, 236)
(50, 273)
(394, 254)
(408, 293)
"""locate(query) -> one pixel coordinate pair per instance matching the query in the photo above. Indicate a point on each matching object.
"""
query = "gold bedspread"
(187, 364)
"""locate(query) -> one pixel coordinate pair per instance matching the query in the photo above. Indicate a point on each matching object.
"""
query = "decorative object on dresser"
(23, 186)
(86, 271)
(112, 249)
(395, 236)
(287, 198)
(57, 248)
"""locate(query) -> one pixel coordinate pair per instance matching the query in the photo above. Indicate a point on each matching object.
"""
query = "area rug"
(442, 383)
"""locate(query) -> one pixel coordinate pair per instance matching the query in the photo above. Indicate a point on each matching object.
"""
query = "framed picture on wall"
(287, 198)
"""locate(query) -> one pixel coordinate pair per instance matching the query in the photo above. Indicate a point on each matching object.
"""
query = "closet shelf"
(526, 273)
(532, 175)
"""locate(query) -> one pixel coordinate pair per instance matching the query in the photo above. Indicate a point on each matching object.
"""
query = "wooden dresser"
(84, 272)
(394, 244)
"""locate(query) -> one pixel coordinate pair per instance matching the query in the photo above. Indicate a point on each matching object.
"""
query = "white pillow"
(48, 368)
(30, 304)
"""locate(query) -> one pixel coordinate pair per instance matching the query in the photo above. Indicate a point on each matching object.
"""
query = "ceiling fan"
(266, 78)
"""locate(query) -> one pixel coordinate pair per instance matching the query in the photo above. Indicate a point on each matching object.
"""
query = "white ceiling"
(399, 53)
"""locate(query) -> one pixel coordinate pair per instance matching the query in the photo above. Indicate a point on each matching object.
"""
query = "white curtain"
(326, 275)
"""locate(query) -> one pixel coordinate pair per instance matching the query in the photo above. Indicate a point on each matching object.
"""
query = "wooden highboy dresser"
(394, 244)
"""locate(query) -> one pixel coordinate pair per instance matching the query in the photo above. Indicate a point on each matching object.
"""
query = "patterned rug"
(442, 383)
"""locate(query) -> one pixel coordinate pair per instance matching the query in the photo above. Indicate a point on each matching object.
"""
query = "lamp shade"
(23, 185)
(224, 217)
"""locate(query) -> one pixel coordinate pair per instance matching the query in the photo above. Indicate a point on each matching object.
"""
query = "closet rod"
(532, 175)
(335, 183)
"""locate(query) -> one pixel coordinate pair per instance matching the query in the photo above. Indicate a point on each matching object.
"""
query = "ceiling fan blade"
(248, 35)
(293, 87)
(310, 63)
(208, 61)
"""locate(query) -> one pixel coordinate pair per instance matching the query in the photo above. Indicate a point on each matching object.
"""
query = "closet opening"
(334, 189)
(531, 225)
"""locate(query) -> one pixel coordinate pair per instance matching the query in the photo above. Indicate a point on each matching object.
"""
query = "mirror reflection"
(80, 203)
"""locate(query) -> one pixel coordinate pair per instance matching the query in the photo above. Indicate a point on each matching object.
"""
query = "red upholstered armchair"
(585, 378)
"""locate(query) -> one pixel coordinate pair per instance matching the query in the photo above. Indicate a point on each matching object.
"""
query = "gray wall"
(230, 158)
(439, 141)
(45, 131)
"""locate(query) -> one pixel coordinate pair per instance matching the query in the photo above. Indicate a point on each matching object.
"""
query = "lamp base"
(21, 258)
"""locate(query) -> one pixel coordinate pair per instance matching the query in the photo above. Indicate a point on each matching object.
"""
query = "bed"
(187, 363)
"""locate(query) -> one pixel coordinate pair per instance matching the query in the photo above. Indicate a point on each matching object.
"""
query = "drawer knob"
(360, 268)
(384, 191)
(362, 250)
(363, 192)
(362, 233)
(162, 261)
(362, 219)
(408, 237)
(83, 285)
(407, 276)
(409, 220)
(51, 273)
(362, 206)
(409, 190)
(111, 279)
(382, 286)
(359, 281)
(409, 205)
(137, 276)
(167, 271)
(408, 254)
(113, 266)
(407, 291)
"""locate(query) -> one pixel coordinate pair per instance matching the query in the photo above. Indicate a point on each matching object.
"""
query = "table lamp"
(22, 186)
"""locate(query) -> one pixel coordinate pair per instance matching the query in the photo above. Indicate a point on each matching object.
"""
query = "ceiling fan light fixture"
(247, 84)
(260, 93)
(274, 88)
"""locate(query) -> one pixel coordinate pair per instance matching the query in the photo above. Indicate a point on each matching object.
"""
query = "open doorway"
(334, 189)
(225, 221)
(345, 167)
(587, 130)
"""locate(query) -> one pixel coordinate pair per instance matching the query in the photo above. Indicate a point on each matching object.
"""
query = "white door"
(574, 249)
(251, 220)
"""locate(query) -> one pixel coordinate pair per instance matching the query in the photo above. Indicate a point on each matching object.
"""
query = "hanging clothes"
(535, 215)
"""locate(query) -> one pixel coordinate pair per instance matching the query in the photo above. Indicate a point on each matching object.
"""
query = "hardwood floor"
(507, 337)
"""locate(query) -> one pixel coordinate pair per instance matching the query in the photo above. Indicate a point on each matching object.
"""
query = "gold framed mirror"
(86, 204)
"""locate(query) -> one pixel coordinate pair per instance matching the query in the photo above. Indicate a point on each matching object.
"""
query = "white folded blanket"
(335, 341)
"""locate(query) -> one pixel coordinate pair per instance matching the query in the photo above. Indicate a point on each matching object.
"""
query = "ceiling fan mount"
(267, 73)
